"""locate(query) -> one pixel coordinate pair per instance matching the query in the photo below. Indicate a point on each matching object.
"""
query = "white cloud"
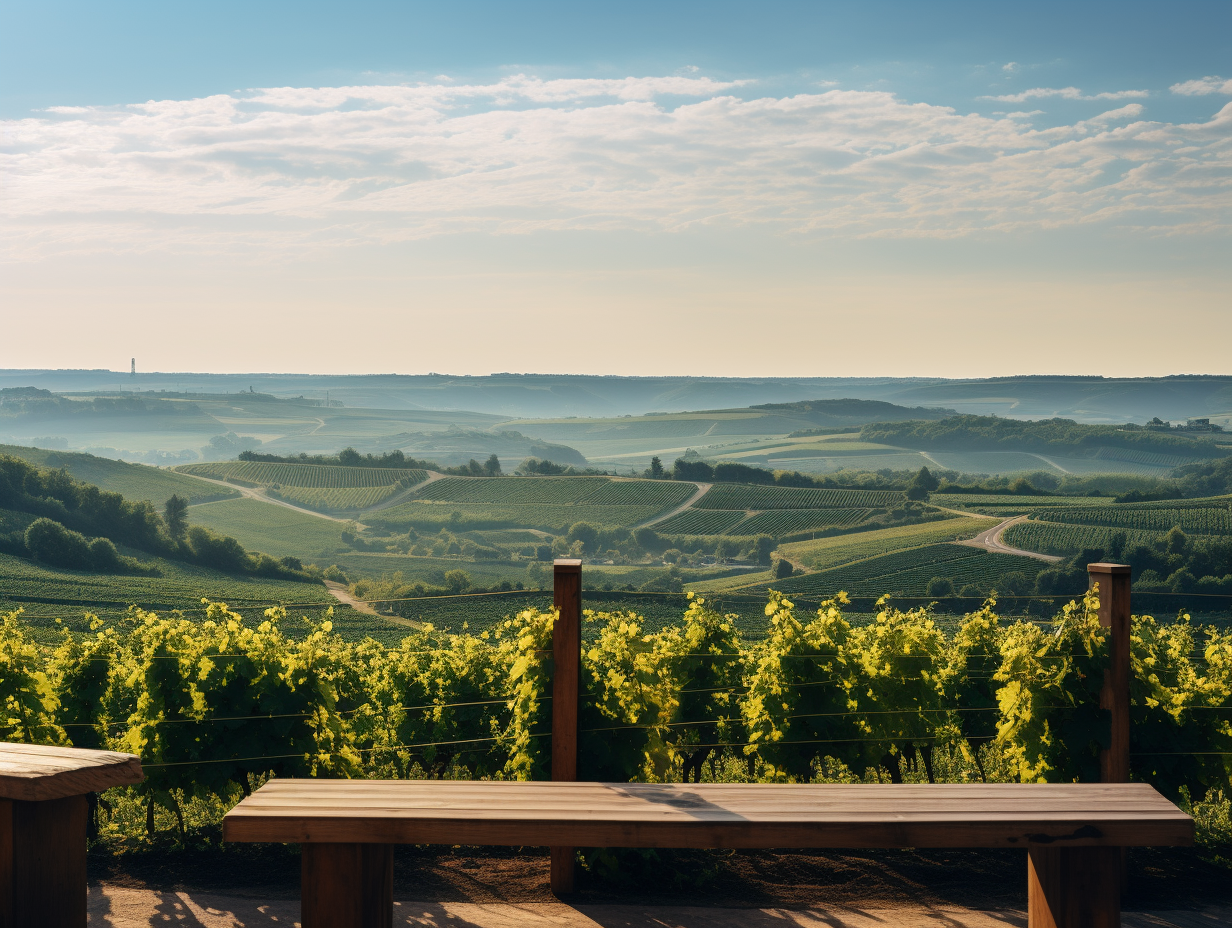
(1202, 86)
(1065, 93)
(299, 168)
(1010, 67)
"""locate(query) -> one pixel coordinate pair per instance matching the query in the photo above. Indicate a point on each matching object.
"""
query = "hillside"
(132, 481)
(521, 396)
(1051, 436)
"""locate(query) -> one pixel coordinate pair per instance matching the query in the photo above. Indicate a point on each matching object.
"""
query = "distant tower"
(133, 372)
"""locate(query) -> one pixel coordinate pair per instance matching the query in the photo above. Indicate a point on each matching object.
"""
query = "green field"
(315, 476)
(1192, 520)
(133, 481)
(271, 528)
(547, 503)
(700, 522)
(908, 571)
(795, 521)
(844, 549)
(1006, 505)
(342, 499)
(47, 593)
(1063, 539)
(739, 496)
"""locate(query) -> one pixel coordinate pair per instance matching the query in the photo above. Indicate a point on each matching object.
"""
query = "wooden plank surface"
(708, 815)
(37, 772)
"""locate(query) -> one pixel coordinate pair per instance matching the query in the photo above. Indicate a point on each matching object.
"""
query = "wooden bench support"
(347, 886)
(43, 863)
(1074, 887)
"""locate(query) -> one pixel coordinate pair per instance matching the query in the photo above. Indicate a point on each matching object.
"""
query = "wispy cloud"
(1066, 93)
(300, 168)
(1203, 85)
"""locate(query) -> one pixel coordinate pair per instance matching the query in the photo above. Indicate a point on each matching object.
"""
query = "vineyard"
(736, 496)
(1194, 521)
(546, 503)
(338, 499)
(555, 491)
(212, 705)
(313, 476)
(48, 593)
(792, 521)
(908, 572)
(844, 549)
(700, 522)
(1060, 538)
(1007, 505)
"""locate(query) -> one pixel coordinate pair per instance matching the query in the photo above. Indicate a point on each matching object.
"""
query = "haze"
(738, 190)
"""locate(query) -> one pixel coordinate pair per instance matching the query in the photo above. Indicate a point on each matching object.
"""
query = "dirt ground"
(247, 885)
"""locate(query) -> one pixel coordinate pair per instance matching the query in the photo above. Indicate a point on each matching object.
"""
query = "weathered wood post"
(566, 655)
(1113, 580)
(1080, 887)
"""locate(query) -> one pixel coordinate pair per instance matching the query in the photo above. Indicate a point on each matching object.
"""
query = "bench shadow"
(684, 800)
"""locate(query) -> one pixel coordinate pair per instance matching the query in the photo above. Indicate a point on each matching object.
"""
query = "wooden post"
(566, 655)
(1113, 580)
(43, 863)
(347, 885)
(1074, 887)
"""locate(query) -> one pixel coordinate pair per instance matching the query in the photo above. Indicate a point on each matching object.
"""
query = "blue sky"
(944, 175)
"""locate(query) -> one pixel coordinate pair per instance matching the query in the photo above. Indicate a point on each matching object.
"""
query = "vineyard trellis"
(216, 704)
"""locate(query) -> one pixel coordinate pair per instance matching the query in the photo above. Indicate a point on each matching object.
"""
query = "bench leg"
(1074, 887)
(347, 886)
(562, 870)
(43, 863)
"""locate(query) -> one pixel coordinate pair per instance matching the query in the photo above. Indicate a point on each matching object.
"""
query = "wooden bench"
(1073, 833)
(44, 813)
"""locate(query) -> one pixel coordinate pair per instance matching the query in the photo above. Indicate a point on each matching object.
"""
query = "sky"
(738, 189)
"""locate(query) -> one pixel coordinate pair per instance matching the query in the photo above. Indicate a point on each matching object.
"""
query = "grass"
(271, 528)
(845, 549)
(133, 481)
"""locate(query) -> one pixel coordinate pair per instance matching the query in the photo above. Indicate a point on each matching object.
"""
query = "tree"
(175, 514)
(349, 457)
(492, 467)
(922, 484)
(587, 534)
(656, 468)
(783, 569)
(939, 586)
(458, 581)
(50, 542)
(762, 546)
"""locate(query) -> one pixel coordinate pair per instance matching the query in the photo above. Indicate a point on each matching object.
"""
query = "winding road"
(990, 540)
(702, 490)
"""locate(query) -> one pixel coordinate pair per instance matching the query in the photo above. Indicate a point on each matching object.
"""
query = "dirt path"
(397, 498)
(1050, 463)
(990, 540)
(343, 595)
(259, 495)
(702, 490)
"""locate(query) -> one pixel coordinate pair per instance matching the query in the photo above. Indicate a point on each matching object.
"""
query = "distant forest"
(1058, 436)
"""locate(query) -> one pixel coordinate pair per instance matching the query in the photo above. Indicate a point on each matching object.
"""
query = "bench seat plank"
(37, 773)
(707, 815)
